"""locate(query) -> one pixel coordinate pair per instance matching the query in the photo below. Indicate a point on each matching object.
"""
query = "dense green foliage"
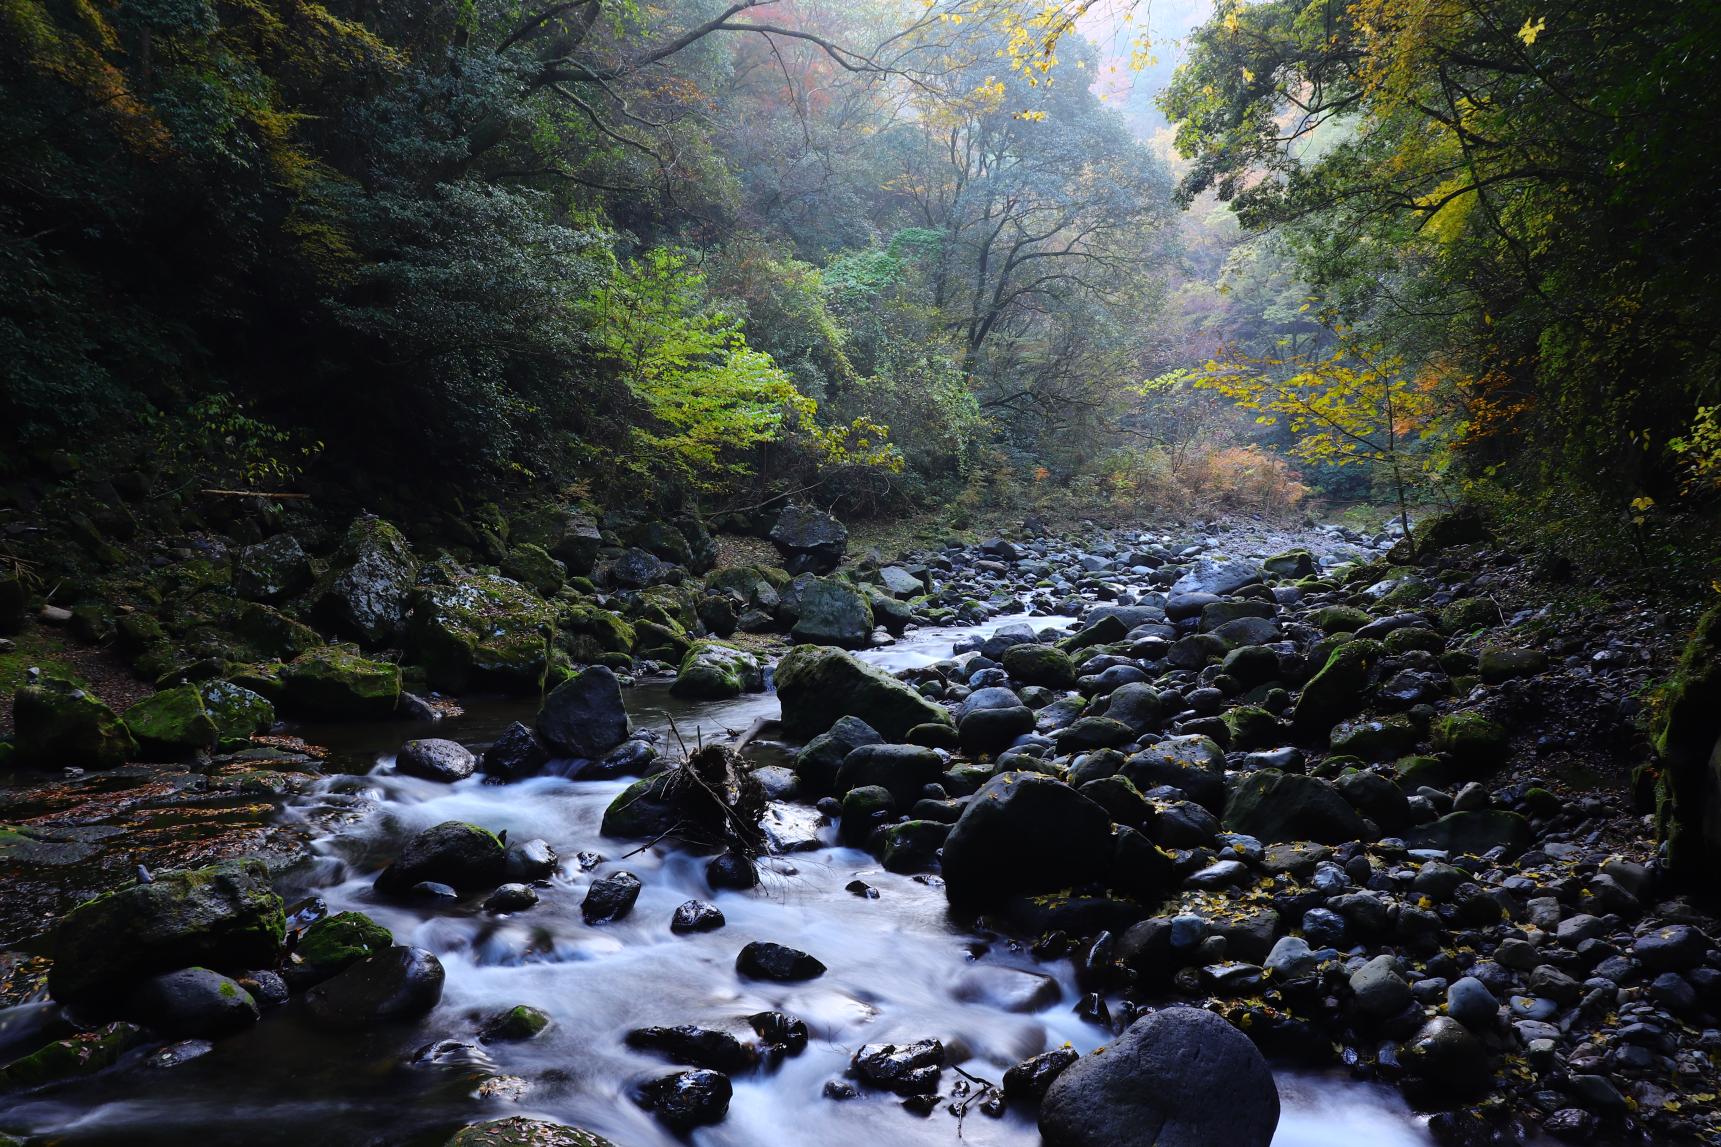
(1516, 199)
(707, 251)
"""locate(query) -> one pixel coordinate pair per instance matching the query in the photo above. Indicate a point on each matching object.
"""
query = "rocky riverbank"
(1371, 812)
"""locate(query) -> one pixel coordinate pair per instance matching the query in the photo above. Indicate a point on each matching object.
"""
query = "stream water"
(899, 969)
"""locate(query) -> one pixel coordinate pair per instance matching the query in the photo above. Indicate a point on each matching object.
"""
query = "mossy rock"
(1297, 563)
(482, 630)
(1468, 614)
(1338, 690)
(532, 565)
(520, 1022)
(1339, 618)
(657, 642)
(335, 942)
(643, 809)
(676, 606)
(174, 721)
(83, 1054)
(817, 684)
(262, 678)
(1379, 739)
(1252, 727)
(238, 712)
(1689, 777)
(273, 633)
(713, 670)
(368, 589)
(57, 723)
(1497, 665)
(334, 682)
(1415, 638)
(225, 916)
(1408, 592)
(1477, 744)
(1033, 664)
(609, 632)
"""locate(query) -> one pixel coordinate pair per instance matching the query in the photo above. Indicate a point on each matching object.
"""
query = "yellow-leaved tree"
(1357, 406)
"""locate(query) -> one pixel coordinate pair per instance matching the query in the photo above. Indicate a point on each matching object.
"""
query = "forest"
(1186, 527)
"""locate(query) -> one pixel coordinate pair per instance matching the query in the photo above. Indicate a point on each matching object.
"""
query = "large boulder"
(273, 569)
(715, 671)
(368, 589)
(482, 631)
(810, 540)
(1180, 1077)
(224, 916)
(173, 722)
(192, 1003)
(435, 759)
(1687, 780)
(238, 712)
(584, 715)
(831, 612)
(333, 944)
(1035, 664)
(57, 723)
(903, 770)
(817, 685)
(1338, 690)
(1025, 832)
(332, 682)
(517, 752)
(1276, 807)
(817, 763)
(460, 855)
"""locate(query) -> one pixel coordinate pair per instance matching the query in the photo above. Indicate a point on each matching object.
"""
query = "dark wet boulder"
(518, 1131)
(1179, 1077)
(1337, 690)
(192, 1003)
(518, 752)
(643, 809)
(817, 763)
(831, 612)
(83, 1054)
(482, 631)
(333, 944)
(687, 1099)
(1475, 832)
(1027, 1081)
(611, 898)
(903, 770)
(1192, 764)
(584, 716)
(435, 759)
(988, 731)
(1136, 704)
(529, 860)
(272, 570)
(817, 685)
(696, 916)
(1025, 833)
(395, 986)
(810, 540)
(224, 916)
(907, 1069)
(713, 671)
(368, 589)
(334, 683)
(696, 1046)
(58, 724)
(864, 809)
(463, 856)
(1476, 744)
(172, 723)
(763, 960)
(531, 565)
(1273, 807)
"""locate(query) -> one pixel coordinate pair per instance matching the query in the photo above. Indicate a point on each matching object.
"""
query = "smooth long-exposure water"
(900, 969)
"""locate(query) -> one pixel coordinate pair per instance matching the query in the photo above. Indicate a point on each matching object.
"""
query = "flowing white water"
(899, 970)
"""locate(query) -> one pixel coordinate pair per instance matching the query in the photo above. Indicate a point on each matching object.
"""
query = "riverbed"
(900, 969)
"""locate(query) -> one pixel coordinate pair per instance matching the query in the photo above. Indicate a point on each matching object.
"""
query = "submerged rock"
(83, 1054)
(1180, 1077)
(463, 856)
